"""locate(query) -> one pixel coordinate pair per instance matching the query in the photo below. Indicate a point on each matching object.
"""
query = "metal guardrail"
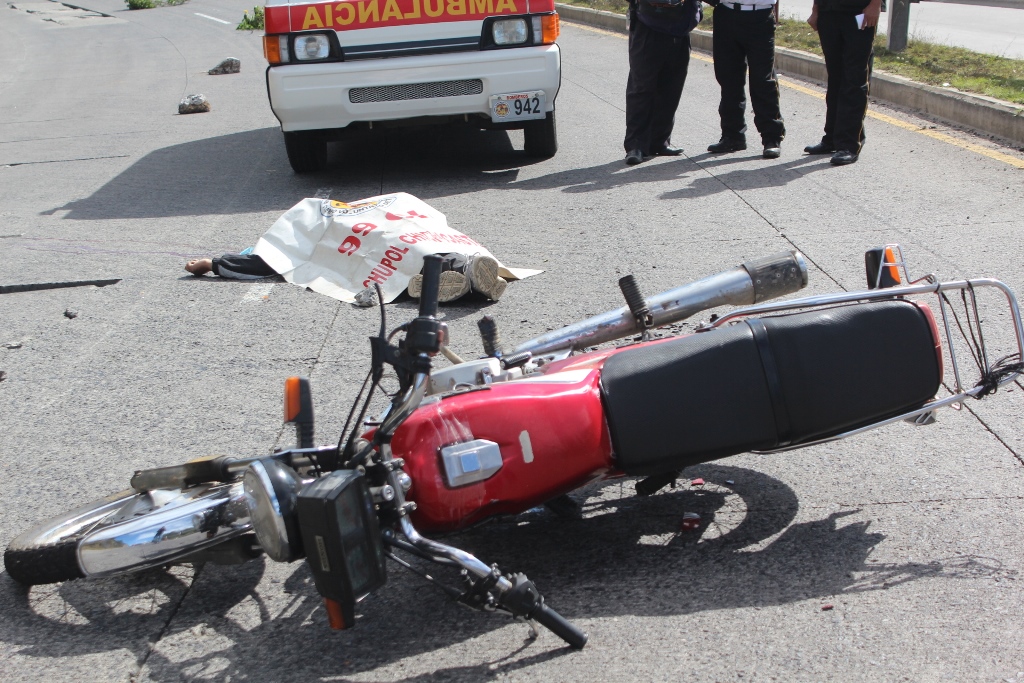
(1013, 4)
(899, 17)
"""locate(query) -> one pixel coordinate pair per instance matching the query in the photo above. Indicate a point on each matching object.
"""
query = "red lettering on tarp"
(408, 214)
(363, 228)
(349, 246)
(386, 267)
(441, 237)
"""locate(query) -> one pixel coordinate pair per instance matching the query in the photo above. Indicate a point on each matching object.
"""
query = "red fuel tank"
(550, 429)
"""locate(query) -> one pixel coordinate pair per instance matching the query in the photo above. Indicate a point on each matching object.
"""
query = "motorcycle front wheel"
(126, 532)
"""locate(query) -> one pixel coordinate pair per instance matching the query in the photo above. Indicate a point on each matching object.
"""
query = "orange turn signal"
(272, 49)
(292, 399)
(894, 271)
(549, 28)
(335, 615)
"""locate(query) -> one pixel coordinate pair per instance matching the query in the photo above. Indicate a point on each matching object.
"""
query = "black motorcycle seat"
(767, 382)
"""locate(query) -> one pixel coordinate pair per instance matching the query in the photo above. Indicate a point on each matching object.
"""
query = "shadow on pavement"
(626, 556)
(249, 172)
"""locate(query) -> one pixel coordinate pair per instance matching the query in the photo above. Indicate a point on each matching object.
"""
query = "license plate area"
(519, 106)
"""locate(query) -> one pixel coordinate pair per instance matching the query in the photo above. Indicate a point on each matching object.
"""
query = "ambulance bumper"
(319, 96)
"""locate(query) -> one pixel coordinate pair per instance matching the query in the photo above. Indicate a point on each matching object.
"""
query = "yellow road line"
(912, 127)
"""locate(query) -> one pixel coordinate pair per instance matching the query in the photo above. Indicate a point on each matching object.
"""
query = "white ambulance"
(337, 68)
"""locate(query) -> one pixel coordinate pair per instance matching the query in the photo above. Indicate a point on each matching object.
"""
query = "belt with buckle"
(744, 8)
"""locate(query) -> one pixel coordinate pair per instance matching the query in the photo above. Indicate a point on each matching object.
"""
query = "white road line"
(207, 16)
(258, 291)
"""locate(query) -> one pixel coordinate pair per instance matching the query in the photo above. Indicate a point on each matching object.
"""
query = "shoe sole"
(452, 286)
(727, 151)
(771, 155)
(483, 278)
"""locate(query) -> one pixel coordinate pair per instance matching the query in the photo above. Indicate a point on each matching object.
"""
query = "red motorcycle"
(524, 427)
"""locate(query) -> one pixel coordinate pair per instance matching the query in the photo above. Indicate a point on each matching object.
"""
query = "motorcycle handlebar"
(431, 284)
(560, 626)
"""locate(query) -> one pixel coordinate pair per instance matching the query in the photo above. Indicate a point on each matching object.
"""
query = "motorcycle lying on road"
(522, 427)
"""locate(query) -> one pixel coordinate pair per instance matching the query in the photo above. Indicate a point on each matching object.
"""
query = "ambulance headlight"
(311, 47)
(509, 31)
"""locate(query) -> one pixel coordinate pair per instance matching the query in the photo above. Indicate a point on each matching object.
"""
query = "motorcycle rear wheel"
(127, 532)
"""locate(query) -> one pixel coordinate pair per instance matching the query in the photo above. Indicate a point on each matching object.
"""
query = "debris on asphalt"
(827, 607)
(697, 482)
(3, 375)
(367, 298)
(194, 104)
(691, 521)
(36, 286)
(68, 313)
(730, 482)
(231, 65)
(12, 345)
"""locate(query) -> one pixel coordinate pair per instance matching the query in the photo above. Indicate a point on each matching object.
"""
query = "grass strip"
(938, 65)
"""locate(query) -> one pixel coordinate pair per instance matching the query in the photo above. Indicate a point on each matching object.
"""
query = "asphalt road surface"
(912, 535)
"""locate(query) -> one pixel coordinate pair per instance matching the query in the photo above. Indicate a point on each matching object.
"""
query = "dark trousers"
(849, 54)
(657, 72)
(242, 267)
(745, 40)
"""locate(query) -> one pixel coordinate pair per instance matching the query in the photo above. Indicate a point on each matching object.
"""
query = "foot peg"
(489, 336)
(656, 482)
(637, 304)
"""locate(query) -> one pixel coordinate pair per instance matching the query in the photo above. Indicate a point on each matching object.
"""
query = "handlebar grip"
(431, 283)
(560, 626)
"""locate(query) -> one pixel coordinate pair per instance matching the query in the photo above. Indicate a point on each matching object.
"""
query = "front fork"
(488, 588)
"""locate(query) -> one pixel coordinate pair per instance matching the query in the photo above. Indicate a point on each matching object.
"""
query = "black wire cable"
(373, 386)
(1001, 369)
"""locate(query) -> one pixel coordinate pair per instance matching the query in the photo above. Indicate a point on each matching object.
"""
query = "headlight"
(309, 47)
(509, 31)
(271, 493)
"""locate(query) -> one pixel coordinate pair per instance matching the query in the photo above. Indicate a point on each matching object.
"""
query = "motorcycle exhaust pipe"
(753, 282)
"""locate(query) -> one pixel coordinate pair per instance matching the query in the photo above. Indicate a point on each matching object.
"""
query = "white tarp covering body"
(338, 248)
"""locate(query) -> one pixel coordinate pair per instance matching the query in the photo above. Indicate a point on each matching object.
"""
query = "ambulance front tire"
(540, 137)
(307, 151)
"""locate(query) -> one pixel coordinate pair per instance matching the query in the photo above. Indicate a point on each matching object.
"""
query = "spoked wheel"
(127, 532)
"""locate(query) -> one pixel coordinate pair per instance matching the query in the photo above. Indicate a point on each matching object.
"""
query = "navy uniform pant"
(657, 71)
(746, 41)
(849, 54)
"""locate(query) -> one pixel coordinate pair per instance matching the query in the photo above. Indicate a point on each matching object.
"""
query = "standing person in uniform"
(659, 55)
(744, 37)
(846, 29)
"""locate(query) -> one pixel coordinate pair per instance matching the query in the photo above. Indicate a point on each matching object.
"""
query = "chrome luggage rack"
(991, 375)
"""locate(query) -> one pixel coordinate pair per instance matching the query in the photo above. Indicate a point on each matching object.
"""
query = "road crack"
(134, 676)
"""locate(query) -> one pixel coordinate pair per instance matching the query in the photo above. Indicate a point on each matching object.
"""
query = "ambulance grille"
(416, 91)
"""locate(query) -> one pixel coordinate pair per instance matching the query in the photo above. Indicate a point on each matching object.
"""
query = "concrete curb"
(984, 114)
